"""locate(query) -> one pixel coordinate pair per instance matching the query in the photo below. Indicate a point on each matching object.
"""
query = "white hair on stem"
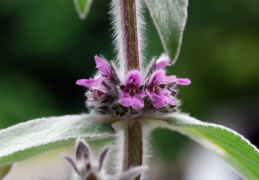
(119, 33)
(141, 24)
(119, 127)
(119, 147)
(147, 149)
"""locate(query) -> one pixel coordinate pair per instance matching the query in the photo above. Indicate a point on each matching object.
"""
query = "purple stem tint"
(133, 147)
(130, 32)
(133, 142)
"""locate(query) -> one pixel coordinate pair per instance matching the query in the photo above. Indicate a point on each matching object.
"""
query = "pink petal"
(125, 101)
(140, 94)
(150, 93)
(159, 102)
(170, 79)
(157, 78)
(183, 81)
(86, 82)
(103, 66)
(162, 62)
(162, 101)
(134, 76)
(164, 92)
(137, 103)
(170, 101)
(99, 86)
(125, 93)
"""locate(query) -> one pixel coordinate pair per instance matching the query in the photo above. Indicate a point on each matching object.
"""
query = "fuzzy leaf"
(224, 142)
(24, 140)
(82, 7)
(169, 17)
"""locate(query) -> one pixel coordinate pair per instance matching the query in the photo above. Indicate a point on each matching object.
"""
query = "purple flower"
(160, 96)
(97, 86)
(132, 94)
(108, 96)
(160, 87)
(105, 69)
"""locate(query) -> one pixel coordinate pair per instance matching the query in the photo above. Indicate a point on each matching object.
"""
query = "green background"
(45, 48)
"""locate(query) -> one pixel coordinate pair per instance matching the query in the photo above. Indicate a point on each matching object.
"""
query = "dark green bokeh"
(45, 48)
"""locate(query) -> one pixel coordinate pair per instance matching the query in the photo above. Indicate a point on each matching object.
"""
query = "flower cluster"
(156, 92)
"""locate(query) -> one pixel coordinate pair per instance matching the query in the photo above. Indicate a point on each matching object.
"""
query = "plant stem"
(133, 145)
(130, 33)
(126, 16)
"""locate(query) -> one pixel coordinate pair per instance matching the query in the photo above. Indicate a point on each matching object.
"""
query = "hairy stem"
(133, 145)
(133, 132)
(130, 33)
(126, 17)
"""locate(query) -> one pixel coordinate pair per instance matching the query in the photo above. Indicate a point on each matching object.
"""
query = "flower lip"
(158, 77)
(132, 93)
(159, 96)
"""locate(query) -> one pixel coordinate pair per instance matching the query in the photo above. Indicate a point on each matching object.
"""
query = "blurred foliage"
(45, 48)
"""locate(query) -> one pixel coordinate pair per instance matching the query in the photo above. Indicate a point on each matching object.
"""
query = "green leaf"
(82, 7)
(4, 171)
(30, 138)
(169, 17)
(224, 142)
